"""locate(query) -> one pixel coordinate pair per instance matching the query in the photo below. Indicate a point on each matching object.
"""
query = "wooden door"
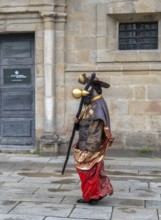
(17, 89)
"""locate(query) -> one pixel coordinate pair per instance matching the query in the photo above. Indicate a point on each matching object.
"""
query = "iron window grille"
(138, 36)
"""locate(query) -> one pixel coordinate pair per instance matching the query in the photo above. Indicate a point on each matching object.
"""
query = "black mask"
(98, 88)
(88, 98)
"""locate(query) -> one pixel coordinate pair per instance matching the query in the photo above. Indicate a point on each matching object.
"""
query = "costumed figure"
(94, 140)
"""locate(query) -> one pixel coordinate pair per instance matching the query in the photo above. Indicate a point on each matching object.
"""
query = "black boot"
(81, 201)
(93, 201)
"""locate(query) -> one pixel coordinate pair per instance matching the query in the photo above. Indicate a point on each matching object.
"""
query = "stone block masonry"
(77, 36)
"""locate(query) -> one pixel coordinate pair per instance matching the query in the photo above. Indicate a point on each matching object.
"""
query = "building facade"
(46, 45)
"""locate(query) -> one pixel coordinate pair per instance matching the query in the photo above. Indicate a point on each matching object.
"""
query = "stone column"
(49, 76)
(49, 141)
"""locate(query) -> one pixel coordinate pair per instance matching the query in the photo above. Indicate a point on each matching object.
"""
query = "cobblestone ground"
(32, 188)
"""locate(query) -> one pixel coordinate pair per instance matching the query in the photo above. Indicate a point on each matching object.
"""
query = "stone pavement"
(32, 188)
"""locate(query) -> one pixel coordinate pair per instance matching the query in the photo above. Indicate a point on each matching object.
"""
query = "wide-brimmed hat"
(83, 79)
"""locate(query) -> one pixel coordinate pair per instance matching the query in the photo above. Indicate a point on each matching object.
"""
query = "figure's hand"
(75, 119)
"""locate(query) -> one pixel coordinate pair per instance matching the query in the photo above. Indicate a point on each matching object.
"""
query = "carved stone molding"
(55, 15)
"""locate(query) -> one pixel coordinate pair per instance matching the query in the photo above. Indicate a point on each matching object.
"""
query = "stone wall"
(134, 98)
(47, 20)
(77, 36)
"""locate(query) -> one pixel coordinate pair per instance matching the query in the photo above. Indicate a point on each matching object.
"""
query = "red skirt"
(94, 182)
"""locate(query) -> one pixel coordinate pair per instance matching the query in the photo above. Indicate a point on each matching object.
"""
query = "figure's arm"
(76, 121)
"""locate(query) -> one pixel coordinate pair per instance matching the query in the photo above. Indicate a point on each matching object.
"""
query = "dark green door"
(17, 91)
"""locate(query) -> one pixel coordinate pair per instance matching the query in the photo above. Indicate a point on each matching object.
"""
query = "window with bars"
(138, 36)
